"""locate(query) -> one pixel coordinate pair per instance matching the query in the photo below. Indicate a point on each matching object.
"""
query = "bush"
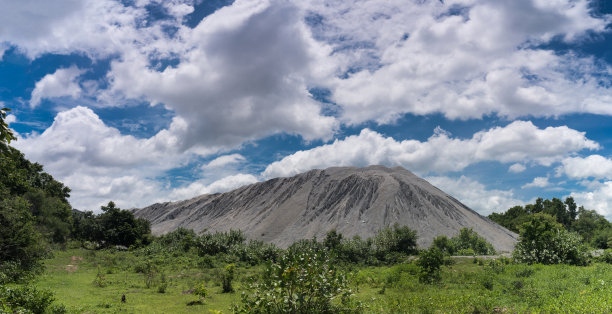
(20, 245)
(227, 277)
(606, 257)
(100, 280)
(543, 240)
(468, 239)
(399, 239)
(180, 239)
(27, 299)
(430, 262)
(303, 280)
(163, 284)
(356, 251)
(201, 292)
(219, 242)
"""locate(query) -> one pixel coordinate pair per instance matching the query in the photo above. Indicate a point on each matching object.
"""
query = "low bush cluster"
(543, 240)
(27, 299)
(303, 280)
(466, 243)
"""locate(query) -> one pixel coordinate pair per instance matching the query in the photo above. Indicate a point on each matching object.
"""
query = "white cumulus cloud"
(517, 142)
(595, 166)
(222, 185)
(244, 75)
(475, 195)
(63, 82)
(538, 182)
(599, 199)
(464, 59)
(224, 160)
(516, 168)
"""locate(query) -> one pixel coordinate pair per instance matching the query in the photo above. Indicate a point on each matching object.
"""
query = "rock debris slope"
(354, 201)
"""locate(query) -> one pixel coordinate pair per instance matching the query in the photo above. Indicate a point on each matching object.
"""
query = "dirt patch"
(73, 266)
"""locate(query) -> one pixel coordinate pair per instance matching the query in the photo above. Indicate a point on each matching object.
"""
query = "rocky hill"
(354, 201)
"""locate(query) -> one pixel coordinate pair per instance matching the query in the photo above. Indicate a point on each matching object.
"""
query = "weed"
(100, 280)
(487, 282)
(524, 273)
(227, 277)
(163, 284)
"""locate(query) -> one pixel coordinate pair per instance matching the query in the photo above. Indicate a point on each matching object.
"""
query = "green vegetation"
(592, 227)
(543, 240)
(301, 281)
(465, 286)
(467, 242)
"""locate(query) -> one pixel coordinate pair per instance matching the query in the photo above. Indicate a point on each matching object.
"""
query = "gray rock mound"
(354, 201)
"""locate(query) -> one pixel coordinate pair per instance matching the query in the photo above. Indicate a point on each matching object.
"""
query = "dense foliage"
(543, 240)
(593, 228)
(27, 299)
(301, 281)
(33, 208)
(467, 242)
(430, 262)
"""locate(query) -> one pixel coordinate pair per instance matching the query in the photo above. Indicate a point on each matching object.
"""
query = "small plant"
(227, 277)
(526, 272)
(201, 292)
(517, 285)
(100, 280)
(487, 282)
(163, 284)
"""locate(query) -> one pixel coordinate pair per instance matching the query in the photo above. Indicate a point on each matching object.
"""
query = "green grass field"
(466, 286)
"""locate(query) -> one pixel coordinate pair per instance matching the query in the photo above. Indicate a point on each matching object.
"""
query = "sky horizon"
(144, 101)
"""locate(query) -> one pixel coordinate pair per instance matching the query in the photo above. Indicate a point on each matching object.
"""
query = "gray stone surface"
(354, 201)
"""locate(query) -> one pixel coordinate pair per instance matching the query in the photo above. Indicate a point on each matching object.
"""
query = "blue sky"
(143, 101)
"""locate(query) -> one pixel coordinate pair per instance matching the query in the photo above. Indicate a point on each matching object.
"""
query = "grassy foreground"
(94, 282)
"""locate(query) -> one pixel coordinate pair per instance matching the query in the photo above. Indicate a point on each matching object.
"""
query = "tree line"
(593, 228)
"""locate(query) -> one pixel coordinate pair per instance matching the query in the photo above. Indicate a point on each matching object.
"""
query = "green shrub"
(524, 273)
(397, 239)
(468, 239)
(206, 262)
(100, 280)
(444, 244)
(543, 240)
(430, 262)
(163, 284)
(487, 282)
(26, 299)
(227, 277)
(201, 292)
(606, 257)
(219, 242)
(303, 280)
(356, 251)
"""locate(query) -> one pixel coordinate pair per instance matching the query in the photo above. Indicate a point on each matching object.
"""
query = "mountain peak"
(354, 201)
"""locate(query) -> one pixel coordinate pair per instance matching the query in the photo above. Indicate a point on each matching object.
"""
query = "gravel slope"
(354, 201)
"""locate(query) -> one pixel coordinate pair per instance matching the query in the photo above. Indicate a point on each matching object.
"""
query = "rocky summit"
(354, 201)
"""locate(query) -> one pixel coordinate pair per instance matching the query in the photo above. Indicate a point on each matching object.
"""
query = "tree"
(571, 208)
(430, 262)
(469, 239)
(119, 227)
(593, 227)
(20, 247)
(332, 240)
(6, 134)
(396, 240)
